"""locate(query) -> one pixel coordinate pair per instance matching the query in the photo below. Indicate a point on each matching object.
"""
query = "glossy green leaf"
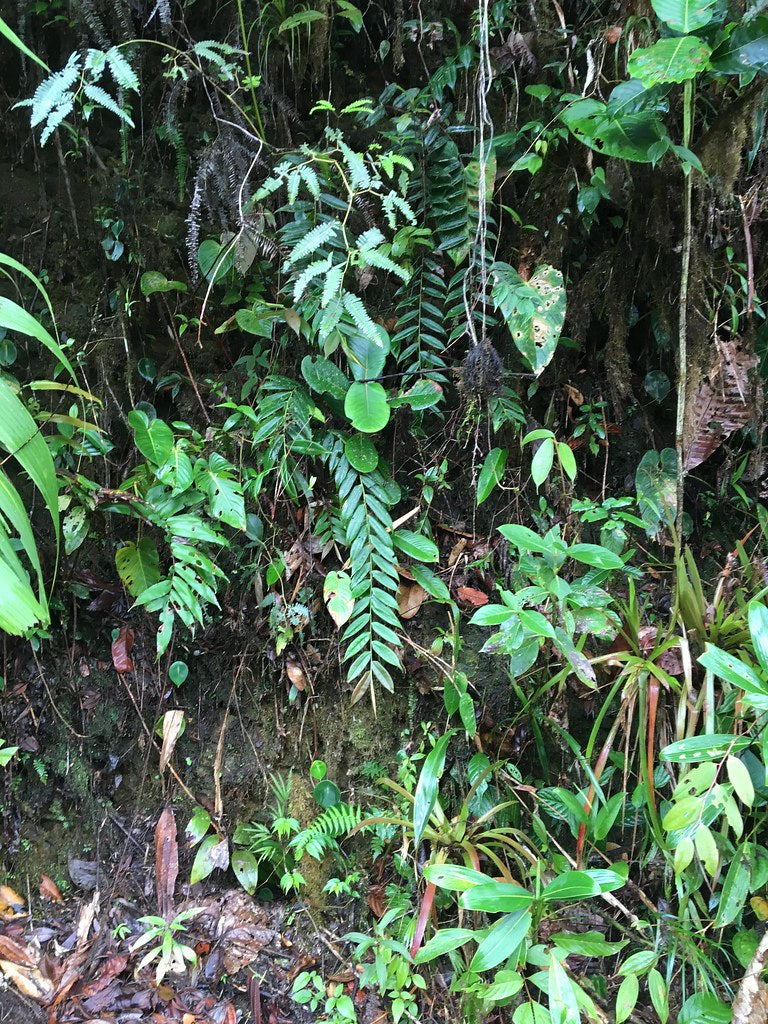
(685, 15)
(496, 897)
(563, 1003)
(683, 813)
(213, 853)
(626, 997)
(704, 1008)
(587, 943)
(416, 545)
(567, 460)
(198, 826)
(501, 941)
(578, 885)
(735, 891)
(366, 407)
(638, 963)
(454, 877)
(491, 473)
(657, 989)
(361, 453)
(596, 555)
(153, 439)
(444, 941)
(741, 780)
(703, 748)
(541, 463)
(246, 870)
(525, 539)
(429, 780)
(744, 50)
(669, 60)
(324, 377)
(757, 617)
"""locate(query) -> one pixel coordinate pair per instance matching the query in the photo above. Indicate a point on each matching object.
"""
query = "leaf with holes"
(337, 593)
(534, 311)
(669, 60)
(138, 565)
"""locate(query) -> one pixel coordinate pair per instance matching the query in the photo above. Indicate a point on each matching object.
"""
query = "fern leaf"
(370, 239)
(312, 241)
(377, 258)
(332, 285)
(309, 274)
(361, 317)
(310, 180)
(359, 176)
(102, 98)
(121, 70)
(54, 120)
(55, 91)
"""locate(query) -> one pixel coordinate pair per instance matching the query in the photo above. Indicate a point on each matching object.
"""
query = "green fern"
(321, 835)
(371, 639)
(420, 341)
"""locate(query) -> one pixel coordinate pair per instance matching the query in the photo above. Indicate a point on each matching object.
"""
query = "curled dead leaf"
(11, 904)
(409, 599)
(28, 980)
(121, 650)
(49, 890)
(173, 722)
(295, 674)
(12, 950)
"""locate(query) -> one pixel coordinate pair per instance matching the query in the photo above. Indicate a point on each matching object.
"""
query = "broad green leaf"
(659, 994)
(246, 869)
(740, 780)
(431, 582)
(501, 941)
(627, 136)
(638, 963)
(533, 310)
(491, 473)
(683, 813)
(567, 460)
(541, 463)
(366, 358)
(366, 407)
(429, 780)
(138, 565)
(704, 1008)
(153, 439)
(578, 885)
(563, 1004)
(744, 51)
(683, 854)
(324, 377)
(504, 986)
(492, 615)
(735, 890)
(685, 15)
(444, 941)
(361, 453)
(626, 997)
(215, 478)
(416, 545)
(596, 555)
(531, 1013)
(525, 539)
(19, 609)
(703, 748)
(496, 897)
(706, 848)
(198, 826)
(587, 943)
(758, 630)
(669, 60)
(215, 259)
(656, 485)
(454, 877)
(153, 281)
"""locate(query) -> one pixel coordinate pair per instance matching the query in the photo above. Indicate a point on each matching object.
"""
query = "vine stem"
(682, 343)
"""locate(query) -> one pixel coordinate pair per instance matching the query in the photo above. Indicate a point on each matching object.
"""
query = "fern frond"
(312, 241)
(102, 98)
(332, 284)
(419, 344)
(121, 70)
(308, 275)
(362, 319)
(55, 91)
(371, 634)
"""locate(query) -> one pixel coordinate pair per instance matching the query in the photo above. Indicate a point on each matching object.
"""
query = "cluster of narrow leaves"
(371, 637)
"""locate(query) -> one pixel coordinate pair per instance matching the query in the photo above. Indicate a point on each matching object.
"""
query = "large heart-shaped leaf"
(669, 60)
(685, 15)
(534, 310)
(638, 135)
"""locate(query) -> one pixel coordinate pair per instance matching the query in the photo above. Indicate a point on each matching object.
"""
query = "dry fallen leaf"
(173, 722)
(295, 673)
(10, 901)
(471, 597)
(121, 650)
(410, 599)
(28, 980)
(166, 861)
(49, 890)
(12, 950)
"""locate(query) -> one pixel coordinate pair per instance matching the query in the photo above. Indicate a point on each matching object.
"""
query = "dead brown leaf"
(173, 722)
(49, 890)
(166, 861)
(295, 674)
(471, 597)
(121, 650)
(28, 980)
(723, 401)
(12, 950)
(409, 599)
(11, 904)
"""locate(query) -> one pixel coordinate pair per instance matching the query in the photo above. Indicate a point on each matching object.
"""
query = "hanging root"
(482, 372)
